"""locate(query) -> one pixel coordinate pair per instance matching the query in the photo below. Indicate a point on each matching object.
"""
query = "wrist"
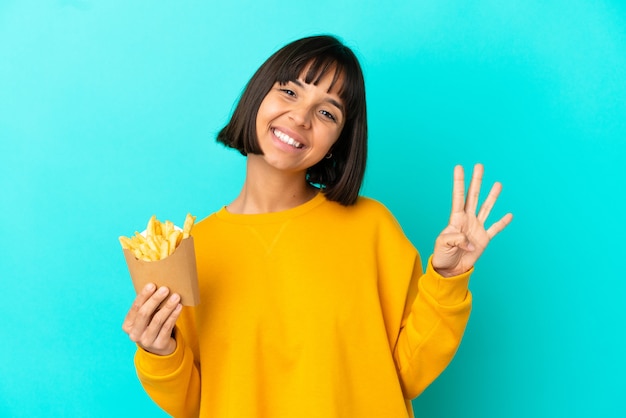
(448, 291)
(447, 273)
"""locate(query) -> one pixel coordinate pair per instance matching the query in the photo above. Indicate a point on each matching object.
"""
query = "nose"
(301, 116)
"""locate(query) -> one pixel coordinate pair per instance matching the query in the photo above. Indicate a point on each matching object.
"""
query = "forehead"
(328, 73)
(332, 84)
(316, 71)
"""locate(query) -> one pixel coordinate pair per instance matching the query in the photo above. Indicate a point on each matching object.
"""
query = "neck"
(269, 190)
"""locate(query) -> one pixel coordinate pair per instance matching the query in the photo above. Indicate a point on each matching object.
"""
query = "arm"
(439, 302)
(173, 381)
(165, 361)
(435, 317)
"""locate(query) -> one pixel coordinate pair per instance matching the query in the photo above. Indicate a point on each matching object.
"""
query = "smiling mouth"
(286, 139)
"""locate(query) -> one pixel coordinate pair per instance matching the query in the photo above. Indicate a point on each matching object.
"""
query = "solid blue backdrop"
(108, 114)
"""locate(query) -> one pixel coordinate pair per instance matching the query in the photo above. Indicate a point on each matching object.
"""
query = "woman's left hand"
(465, 238)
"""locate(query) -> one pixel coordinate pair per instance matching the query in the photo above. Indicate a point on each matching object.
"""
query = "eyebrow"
(328, 99)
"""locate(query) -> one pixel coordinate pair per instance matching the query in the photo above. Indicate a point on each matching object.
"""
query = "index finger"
(141, 298)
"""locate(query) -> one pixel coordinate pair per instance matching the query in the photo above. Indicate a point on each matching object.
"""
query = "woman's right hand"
(150, 326)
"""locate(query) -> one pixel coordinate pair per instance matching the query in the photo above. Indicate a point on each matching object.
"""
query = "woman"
(314, 303)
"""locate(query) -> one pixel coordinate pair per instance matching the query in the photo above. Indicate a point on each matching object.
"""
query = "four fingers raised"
(468, 205)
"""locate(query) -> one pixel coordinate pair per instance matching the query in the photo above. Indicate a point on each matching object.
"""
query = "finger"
(489, 202)
(140, 299)
(458, 190)
(146, 312)
(497, 227)
(161, 325)
(474, 189)
(456, 240)
(165, 334)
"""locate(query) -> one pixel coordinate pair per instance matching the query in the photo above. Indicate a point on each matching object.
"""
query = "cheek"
(264, 115)
(269, 106)
(335, 135)
(260, 114)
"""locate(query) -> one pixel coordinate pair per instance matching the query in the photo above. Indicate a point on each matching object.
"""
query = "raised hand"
(465, 238)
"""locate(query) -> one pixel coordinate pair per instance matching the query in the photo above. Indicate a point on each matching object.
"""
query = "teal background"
(108, 113)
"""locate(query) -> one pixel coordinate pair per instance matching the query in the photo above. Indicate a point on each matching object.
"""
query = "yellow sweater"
(317, 311)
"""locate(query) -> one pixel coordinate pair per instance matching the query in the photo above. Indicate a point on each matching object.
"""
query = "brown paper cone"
(177, 272)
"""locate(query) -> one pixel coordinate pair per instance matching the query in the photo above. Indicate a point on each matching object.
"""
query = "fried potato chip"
(188, 225)
(127, 243)
(173, 239)
(164, 249)
(159, 240)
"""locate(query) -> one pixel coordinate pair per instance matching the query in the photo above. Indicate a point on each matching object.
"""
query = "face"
(297, 123)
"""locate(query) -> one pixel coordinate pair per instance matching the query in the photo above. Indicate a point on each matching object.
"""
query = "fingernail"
(162, 290)
(175, 298)
(150, 287)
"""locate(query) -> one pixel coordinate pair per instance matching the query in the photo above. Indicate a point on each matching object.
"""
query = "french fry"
(139, 239)
(148, 253)
(127, 243)
(159, 240)
(151, 240)
(138, 254)
(173, 241)
(158, 227)
(164, 247)
(168, 228)
(188, 225)
(151, 227)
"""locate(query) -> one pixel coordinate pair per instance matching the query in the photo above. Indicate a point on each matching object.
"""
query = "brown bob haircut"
(340, 176)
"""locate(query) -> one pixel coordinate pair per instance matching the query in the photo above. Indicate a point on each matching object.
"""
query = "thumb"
(455, 240)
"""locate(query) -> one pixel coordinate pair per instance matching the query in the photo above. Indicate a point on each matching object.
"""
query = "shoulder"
(378, 218)
(362, 204)
(370, 204)
(366, 211)
(373, 208)
(204, 224)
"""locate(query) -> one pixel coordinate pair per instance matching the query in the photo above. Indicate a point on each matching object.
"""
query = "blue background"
(108, 113)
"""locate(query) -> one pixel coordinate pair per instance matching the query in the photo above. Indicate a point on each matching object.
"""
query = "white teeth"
(287, 139)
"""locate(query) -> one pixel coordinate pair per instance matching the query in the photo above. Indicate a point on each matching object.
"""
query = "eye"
(328, 115)
(288, 92)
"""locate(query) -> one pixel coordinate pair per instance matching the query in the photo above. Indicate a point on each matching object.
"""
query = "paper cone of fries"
(164, 255)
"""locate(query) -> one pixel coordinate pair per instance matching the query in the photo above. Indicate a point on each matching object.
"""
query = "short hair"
(341, 175)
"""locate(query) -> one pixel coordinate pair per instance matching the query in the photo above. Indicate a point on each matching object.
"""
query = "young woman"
(313, 301)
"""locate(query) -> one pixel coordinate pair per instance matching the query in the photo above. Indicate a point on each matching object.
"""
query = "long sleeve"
(425, 313)
(318, 311)
(435, 317)
(173, 381)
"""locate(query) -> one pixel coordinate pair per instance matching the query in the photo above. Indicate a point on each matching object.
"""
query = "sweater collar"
(272, 217)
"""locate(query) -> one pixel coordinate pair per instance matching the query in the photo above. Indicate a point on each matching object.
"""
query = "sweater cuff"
(447, 291)
(160, 366)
